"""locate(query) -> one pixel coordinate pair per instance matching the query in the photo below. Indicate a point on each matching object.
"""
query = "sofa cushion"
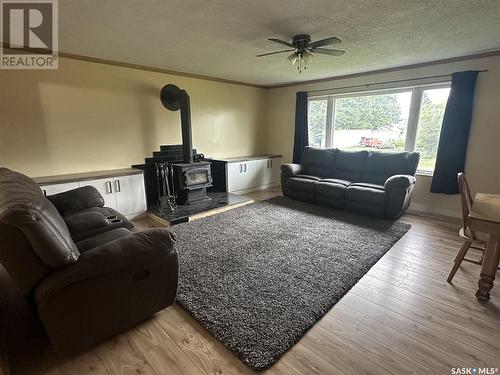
(336, 181)
(329, 189)
(368, 185)
(308, 177)
(382, 165)
(24, 206)
(318, 161)
(95, 220)
(99, 239)
(349, 165)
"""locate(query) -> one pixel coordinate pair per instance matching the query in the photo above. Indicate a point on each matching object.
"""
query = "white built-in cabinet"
(252, 174)
(124, 193)
(59, 188)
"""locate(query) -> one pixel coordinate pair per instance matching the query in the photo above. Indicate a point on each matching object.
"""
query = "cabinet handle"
(118, 188)
(267, 164)
(241, 168)
(108, 187)
(271, 161)
(245, 167)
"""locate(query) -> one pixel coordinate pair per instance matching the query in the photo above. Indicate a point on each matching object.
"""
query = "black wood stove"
(191, 178)
(176, 174)
(191, 181)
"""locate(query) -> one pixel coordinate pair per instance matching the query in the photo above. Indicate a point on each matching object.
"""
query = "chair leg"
(458, 260)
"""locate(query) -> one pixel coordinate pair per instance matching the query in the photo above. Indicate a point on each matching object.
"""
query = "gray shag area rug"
(258, 277)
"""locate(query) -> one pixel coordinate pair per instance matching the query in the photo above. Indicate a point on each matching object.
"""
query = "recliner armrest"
(399, 180)
(76, 199)
(126, 254)
(291, 169)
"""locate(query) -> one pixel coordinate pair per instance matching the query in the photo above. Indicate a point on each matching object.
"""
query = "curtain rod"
(386, 82)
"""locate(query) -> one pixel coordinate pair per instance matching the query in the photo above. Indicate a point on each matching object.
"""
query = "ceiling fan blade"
(324, 42)
(273, 53)
(326, 51)
(281, 42)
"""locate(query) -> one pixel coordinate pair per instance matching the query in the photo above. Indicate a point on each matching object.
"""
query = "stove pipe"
(173, 98)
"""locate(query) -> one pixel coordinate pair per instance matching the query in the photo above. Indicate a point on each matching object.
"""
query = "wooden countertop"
(73, 177)
(238, 159)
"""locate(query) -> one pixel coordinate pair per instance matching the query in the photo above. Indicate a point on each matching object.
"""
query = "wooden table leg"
(489, 268)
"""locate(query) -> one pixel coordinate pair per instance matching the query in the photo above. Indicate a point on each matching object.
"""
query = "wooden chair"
(471, 238)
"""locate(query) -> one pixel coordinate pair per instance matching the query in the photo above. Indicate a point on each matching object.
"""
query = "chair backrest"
(34, 237)
(466, 199)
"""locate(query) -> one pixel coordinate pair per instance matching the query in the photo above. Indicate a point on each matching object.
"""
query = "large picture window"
(398, 119)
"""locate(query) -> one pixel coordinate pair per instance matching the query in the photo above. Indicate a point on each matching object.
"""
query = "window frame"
(417, 92)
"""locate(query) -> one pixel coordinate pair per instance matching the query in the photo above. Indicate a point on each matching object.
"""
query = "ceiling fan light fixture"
(303, 49)
(293, 58)
(307, 57)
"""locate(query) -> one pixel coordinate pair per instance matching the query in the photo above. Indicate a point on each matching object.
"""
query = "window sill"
(425, 173)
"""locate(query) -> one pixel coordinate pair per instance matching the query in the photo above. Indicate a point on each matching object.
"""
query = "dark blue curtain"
(454, 133)
(301, 138)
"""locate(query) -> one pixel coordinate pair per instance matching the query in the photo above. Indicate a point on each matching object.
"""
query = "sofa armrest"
(77, 199)
(291, 169)
(136, 251)
(399, 189)
(399, 181)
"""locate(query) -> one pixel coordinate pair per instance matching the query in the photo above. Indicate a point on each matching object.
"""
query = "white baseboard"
(256, 188)
(419, 208)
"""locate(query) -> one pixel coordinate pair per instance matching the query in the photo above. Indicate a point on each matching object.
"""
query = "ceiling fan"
(303, 49)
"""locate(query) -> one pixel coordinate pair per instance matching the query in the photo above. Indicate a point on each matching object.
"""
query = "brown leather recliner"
(91, 281)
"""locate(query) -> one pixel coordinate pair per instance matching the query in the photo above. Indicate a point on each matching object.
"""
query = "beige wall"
(483, 156)
(89, 116)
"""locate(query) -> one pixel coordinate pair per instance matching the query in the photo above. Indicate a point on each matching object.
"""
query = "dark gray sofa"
(373, 183)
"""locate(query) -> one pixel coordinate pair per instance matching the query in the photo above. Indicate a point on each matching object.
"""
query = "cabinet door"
(249, 174)
(105, 187)
(275, 170)
(235, 176)
(266, 171)
(58, 188)
(254, 173)
(130, 194)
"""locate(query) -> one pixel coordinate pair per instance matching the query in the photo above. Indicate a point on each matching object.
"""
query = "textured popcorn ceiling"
(220, 38)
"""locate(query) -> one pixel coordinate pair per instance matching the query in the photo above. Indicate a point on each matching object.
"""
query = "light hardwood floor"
(402, 317)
